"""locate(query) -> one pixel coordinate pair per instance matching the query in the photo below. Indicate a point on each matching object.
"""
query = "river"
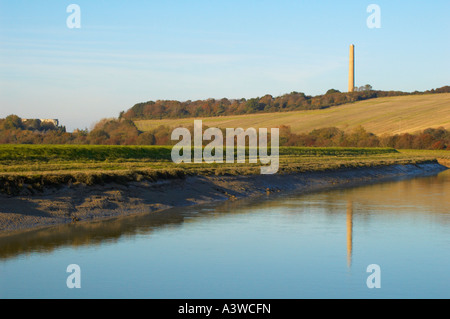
(290, 246)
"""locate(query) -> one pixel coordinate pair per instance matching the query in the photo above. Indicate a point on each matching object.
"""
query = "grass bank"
(26, 169)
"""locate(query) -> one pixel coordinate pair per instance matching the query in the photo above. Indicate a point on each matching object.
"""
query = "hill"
(294, 101)
(386, 115)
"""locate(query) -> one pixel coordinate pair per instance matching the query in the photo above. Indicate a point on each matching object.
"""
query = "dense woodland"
(14, 130)
(293, 101)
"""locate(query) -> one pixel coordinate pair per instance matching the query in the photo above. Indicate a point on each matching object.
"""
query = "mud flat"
(81, 203)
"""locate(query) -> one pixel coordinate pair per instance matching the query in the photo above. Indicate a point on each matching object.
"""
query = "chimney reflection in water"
(349, 232)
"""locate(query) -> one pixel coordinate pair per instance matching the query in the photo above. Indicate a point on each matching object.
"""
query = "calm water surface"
(285, 246)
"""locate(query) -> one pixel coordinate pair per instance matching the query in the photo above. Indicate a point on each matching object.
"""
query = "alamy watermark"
(214, 151)
(374, 20)
(374, 279)
(73, 21)
(74, 279)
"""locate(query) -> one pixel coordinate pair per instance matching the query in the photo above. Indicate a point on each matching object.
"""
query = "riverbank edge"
(82, 203)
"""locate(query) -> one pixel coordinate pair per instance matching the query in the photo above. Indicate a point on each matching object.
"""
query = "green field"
(388, 115)
(59, 153)
(48, 153)
(32, 167)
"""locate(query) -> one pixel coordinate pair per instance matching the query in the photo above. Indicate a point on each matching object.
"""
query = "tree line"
(431, 138)
(14, 130)
(293, 101)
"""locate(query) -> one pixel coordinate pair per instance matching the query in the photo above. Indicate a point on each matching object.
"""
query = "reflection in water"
(47, 239)
(349, 232)
(430, 194)
(289, 246)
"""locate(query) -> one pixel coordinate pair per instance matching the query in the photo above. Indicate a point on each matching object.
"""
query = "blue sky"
(133, 51)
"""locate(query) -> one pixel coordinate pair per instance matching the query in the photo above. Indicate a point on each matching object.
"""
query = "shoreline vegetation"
(29, 169)
(43, 185)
